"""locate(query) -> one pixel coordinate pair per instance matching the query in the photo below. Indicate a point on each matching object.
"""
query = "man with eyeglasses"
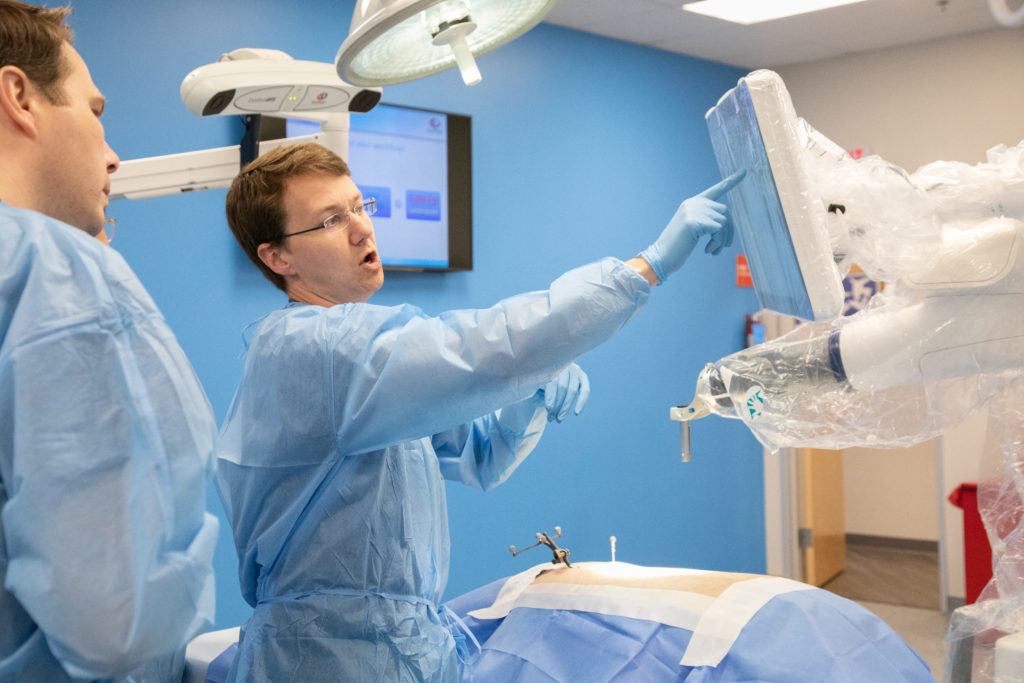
(349, 416)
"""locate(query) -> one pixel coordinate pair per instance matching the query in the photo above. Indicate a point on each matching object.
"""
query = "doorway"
(816, 494)
(892, 526)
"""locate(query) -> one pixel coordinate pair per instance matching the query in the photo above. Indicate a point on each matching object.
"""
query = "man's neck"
(302, 294)
(16, 188)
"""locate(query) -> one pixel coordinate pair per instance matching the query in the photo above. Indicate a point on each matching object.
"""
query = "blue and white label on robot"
(859, 290)
(754, 402)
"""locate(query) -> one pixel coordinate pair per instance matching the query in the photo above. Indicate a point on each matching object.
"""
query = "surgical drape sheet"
(805, 636)
(334, 452)
(106, 444)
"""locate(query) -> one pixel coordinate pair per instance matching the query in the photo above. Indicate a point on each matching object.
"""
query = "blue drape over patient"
(334, 452)
(806, 636)
(106, 444)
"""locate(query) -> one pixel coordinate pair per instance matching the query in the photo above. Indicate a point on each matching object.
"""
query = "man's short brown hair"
(32, 39)
(255, 205)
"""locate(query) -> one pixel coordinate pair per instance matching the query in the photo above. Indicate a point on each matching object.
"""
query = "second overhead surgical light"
(394, 41)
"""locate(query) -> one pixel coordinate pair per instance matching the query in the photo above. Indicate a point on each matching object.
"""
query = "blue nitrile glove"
(567, 392)
(697, 216)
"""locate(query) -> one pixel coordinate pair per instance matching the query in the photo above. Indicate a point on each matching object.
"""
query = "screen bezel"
(460, 184)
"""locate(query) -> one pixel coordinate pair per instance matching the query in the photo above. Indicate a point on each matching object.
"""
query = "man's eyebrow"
(331, 208)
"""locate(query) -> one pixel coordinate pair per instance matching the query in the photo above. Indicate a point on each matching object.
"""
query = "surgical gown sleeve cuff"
(486, 452)
(632, 281)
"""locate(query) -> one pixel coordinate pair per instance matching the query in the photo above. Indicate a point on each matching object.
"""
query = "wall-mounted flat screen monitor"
(417, 164)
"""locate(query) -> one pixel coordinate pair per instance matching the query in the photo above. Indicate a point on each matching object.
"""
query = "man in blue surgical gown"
(349, 417)
(106, 438)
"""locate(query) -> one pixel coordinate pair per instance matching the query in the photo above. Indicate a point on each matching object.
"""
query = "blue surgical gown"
(106, 444)
(334, 451)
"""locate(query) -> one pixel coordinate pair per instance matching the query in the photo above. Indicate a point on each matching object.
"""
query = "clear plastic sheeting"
(975, 630)
(960, 192)
(888, 220)
(918, 360)
(943, 339)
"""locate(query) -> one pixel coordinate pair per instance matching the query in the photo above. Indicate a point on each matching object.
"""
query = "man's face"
(340, 265)
(78, 160)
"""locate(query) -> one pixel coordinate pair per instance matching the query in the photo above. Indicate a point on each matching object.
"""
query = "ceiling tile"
(738, 48)
(652, 25)
(582, 14)
(868, 25)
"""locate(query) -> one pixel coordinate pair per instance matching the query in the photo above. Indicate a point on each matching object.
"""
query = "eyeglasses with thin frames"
(340, 221)
(110, 228)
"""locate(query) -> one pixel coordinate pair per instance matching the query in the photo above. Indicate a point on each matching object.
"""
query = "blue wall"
(583, 147)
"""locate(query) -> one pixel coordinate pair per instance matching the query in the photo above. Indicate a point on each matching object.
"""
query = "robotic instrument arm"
(947, 332)
(912, 344)
(944, 338)
(251, 83)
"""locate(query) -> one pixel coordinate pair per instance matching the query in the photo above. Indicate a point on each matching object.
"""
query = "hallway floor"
(896, 576)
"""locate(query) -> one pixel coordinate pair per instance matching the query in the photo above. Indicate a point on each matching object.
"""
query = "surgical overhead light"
(394, 41)
(1009, 13)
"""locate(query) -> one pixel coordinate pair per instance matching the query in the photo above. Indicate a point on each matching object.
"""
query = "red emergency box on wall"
(977, 552)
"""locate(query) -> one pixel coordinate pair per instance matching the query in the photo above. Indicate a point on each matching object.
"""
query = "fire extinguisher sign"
(743, 277)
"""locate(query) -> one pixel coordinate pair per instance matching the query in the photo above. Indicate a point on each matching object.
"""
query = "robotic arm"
(945, 336)
(927, 353)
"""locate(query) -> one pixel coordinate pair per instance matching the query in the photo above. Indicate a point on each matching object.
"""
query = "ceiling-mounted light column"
(450, 23)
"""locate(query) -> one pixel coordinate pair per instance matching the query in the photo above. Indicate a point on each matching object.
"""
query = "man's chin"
(370, 289)
(91, 224)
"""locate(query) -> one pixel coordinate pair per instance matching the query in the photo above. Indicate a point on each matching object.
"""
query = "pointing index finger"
(718, 189)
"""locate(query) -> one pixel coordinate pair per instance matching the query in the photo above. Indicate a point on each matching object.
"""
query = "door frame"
(782, 514)
(782, 500)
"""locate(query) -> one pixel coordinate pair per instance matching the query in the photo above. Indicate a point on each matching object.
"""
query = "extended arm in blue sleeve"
(399, 375)
(485, 452)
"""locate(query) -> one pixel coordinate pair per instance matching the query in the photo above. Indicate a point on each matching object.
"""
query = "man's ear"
(18, 100)
(275, 258)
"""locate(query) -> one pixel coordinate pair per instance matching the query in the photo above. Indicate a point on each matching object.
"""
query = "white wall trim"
(941, 489)
(781, 516)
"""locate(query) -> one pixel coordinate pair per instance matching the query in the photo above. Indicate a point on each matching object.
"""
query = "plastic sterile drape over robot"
(944, 338)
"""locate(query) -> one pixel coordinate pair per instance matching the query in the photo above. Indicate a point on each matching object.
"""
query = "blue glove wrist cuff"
(650, 254)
